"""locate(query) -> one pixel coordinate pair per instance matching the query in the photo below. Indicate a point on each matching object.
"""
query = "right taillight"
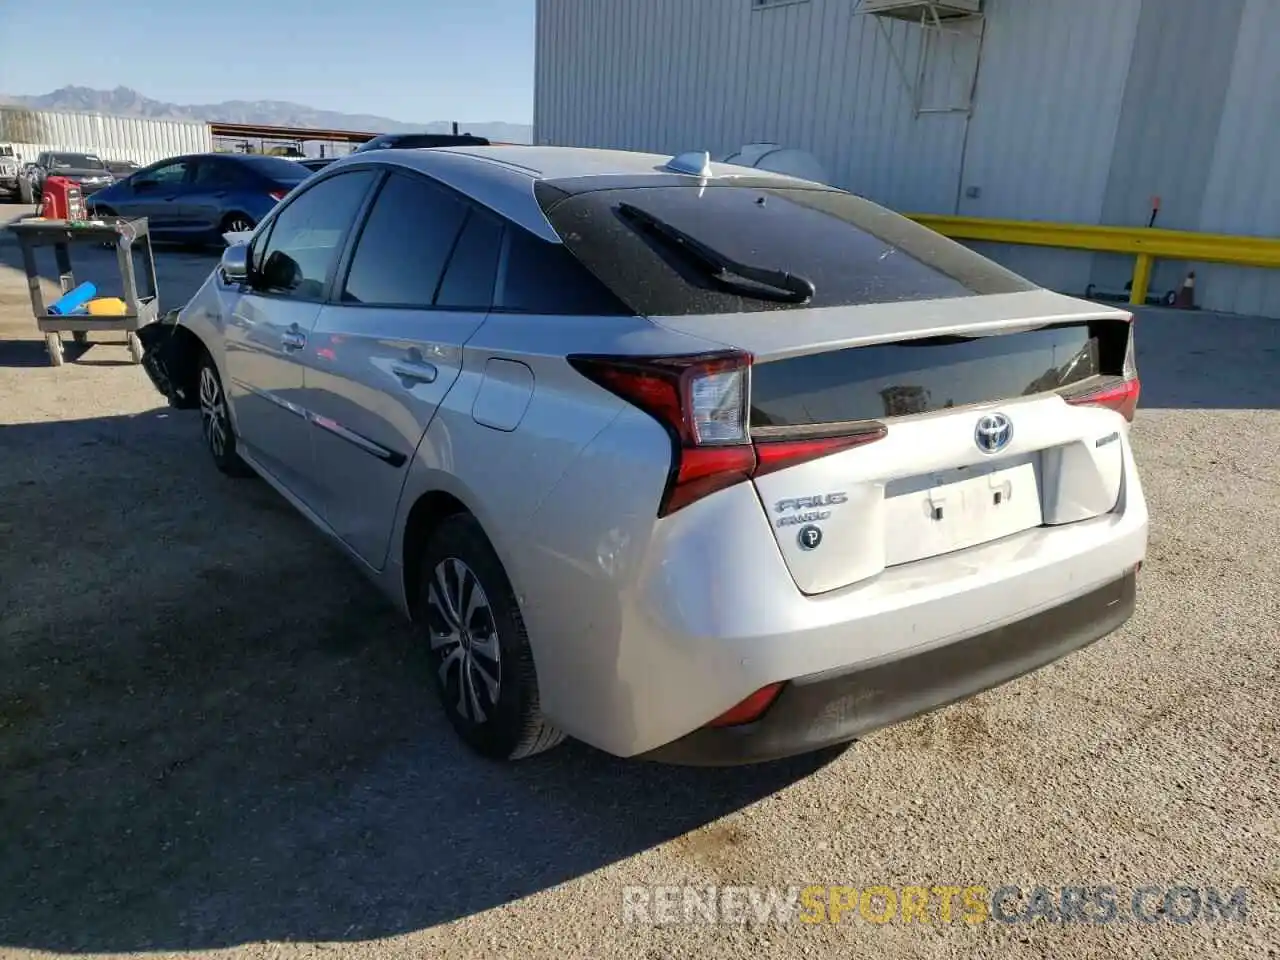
(702, 401)
(1121, 397)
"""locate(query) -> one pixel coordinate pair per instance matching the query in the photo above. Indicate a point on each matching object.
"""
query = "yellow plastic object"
(107, 307)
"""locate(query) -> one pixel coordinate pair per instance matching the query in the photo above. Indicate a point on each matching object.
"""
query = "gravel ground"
(214, 736)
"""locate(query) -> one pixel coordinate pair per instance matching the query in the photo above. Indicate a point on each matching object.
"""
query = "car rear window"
(845, 250)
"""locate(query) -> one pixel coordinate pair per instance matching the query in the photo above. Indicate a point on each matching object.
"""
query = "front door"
(268, 336)
(157, 194)
(388, 349)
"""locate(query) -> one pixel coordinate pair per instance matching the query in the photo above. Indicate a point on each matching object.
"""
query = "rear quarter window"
(852, 251)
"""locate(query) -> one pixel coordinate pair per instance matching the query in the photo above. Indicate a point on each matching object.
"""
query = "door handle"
(417, 371)
(293, 339)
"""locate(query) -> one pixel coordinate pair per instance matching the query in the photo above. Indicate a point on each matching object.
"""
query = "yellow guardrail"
(1146, 244)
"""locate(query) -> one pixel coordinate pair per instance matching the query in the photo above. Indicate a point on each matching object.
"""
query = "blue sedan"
(198, 198)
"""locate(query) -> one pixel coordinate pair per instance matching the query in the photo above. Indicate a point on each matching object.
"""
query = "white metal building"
(1067, 110)
(139, 139)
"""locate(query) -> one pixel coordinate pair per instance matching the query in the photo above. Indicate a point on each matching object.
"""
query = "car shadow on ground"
(214, 731)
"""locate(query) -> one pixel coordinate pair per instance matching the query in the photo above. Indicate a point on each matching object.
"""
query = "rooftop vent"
(696, 163)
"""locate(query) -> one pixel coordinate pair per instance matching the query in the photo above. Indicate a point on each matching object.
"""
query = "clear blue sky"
(411, 60)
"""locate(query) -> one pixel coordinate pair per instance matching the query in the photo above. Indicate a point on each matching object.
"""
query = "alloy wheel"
(238, 225)
(213, 412)
(465, 638)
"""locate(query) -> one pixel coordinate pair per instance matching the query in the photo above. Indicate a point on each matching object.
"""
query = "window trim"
(470, 205)
(269, 225)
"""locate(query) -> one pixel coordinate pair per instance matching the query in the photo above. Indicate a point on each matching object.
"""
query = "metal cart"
(124, 235)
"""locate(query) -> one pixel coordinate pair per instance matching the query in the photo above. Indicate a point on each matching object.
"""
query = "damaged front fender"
(171, 355)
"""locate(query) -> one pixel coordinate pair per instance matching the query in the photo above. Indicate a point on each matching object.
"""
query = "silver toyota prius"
(685, 460)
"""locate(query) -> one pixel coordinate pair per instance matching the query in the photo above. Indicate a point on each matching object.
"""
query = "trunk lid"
(981, 443)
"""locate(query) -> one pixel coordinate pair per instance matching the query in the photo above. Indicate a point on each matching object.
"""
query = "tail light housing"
(277, 195)
(1118, 394)
(1121, 396)
(703, 401)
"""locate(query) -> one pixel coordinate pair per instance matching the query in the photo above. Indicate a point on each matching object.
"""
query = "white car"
(686, 460)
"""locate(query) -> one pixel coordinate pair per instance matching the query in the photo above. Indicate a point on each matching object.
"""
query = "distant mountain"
(124, 102)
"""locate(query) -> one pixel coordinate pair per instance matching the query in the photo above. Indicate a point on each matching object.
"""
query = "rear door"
(204, 202)
(385, 352)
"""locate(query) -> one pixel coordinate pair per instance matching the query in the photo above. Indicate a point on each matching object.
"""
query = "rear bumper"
(820, 711)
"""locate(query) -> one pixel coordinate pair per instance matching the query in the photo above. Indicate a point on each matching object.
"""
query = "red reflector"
(750, 709)
(1121, 397)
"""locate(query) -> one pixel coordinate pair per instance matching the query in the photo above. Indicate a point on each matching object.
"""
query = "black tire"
(215, 421)
(509, 726)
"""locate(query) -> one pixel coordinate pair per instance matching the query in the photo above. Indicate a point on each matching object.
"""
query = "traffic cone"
(1187, 295)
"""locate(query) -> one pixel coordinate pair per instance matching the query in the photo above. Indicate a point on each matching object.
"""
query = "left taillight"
(702, 401)
(277, 195)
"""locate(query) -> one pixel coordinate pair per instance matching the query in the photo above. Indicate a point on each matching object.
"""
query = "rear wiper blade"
(762, 283)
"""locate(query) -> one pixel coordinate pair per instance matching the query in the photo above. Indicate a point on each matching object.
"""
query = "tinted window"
(306, 235)
(543, 277)
(405, 244)
(273, 168)
(167, 174)
(75, 161)
(468, 280)
(900, 379)
(851, 250)
(215, 173)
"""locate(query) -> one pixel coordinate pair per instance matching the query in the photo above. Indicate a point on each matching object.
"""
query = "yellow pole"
(1141, 279)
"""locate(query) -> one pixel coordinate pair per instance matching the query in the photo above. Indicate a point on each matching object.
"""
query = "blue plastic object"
(73, 301)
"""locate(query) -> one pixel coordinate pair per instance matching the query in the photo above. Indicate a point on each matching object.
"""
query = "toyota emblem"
(993, 432)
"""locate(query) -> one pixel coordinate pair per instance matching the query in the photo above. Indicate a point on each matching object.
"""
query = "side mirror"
(235, 264)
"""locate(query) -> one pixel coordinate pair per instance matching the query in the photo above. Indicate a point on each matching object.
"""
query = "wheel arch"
(430, 509)
(185, 352)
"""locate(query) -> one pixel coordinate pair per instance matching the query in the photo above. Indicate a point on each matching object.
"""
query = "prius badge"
(993, 432)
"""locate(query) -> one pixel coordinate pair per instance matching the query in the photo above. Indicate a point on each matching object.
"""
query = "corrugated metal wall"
(1243, 191)
(112, 138)
(1046, 113)
(1069, 120)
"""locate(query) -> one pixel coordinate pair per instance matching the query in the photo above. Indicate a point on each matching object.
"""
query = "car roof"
(503, 177)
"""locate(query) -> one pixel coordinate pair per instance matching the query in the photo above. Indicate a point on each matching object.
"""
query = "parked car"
(86, 169)
(10, 173)
(413, 141)
(123, 168)
(689, 461)
(200, 197)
